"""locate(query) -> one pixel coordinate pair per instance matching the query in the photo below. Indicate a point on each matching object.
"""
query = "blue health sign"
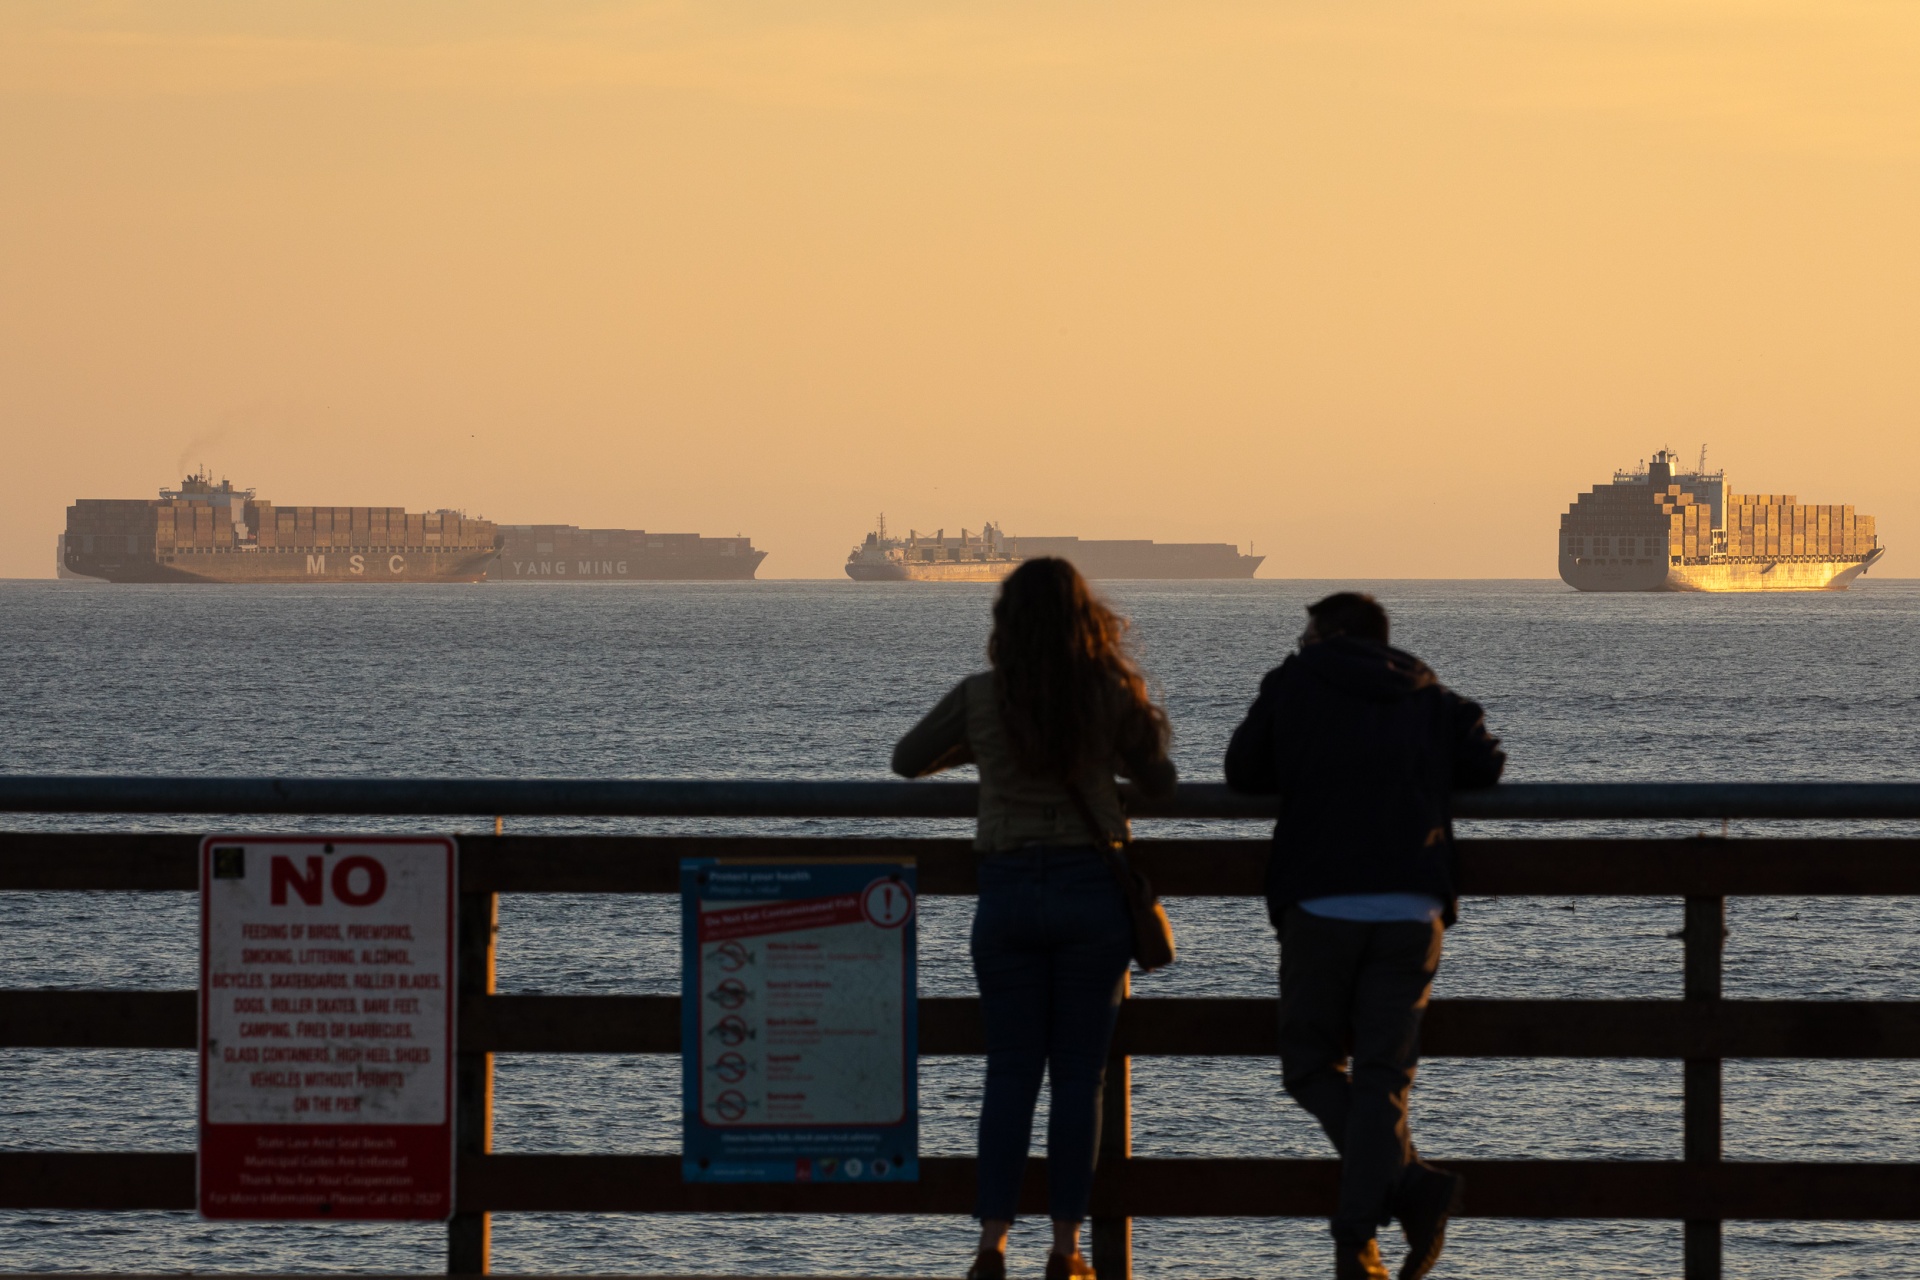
(798, 1023)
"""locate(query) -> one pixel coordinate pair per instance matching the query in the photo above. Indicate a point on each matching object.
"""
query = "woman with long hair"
(1062, 711)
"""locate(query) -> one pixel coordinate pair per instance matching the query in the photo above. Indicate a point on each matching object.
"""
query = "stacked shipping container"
(372, 527)
(1662, 529)
(174, 525)
(116, 524)
(182, 537)
(1765, 526)
(1773, 525)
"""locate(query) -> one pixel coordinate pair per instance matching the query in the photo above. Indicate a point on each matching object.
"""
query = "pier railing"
(1701, 1029)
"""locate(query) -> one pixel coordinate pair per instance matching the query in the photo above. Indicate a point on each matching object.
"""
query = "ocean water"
(815, 680)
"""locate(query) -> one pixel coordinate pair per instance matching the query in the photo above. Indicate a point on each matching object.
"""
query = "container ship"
(203, 532)
(1128, 558)
(1660, 528)
(991, 555)
(984, 557)
(564, 552)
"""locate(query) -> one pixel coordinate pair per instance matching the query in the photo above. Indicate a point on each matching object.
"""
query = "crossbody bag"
(1152, 931)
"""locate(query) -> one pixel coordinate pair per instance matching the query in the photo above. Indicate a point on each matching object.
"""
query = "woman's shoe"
(1062, 1267)
(988, 1264)
(1358, 1261)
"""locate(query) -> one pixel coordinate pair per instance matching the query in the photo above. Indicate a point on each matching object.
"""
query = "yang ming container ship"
(1664, 529)
(991, 555)
(202, 532)
(564, 552)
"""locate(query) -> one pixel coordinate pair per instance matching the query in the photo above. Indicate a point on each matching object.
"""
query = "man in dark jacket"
(1364, 747)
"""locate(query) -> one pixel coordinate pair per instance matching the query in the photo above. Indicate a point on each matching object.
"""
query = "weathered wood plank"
(1178, 868)
(1138, 1188)
(648, 864)
(97, 1180)
(71, 860)
(810, 798)
(1182, 1026)
(99, 1019)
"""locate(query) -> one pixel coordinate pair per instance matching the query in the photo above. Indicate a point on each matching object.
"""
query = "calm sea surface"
(815, 680)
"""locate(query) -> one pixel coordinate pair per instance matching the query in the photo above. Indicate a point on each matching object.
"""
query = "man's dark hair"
(1349, 613)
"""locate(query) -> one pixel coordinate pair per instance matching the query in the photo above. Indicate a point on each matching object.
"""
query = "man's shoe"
(1433, 1198)
(1062, 1267)
(1358, 1262)
(988, 1264)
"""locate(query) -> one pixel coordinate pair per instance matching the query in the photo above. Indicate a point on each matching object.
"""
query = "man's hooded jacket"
(1365, 747)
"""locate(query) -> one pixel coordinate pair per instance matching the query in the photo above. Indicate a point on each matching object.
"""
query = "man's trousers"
(1355, 991)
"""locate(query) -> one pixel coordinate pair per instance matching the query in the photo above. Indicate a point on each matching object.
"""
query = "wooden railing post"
(1113, 1234)
(1705, 934)
(469, 1235)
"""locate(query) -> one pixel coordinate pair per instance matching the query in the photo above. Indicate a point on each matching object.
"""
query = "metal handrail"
(760, 798)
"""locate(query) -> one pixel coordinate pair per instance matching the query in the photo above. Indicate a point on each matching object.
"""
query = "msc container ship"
(564, 552)
(991, 555)
(1663, 529)
(203, 532)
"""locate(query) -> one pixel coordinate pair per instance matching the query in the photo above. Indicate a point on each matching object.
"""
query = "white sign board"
(326, 1027)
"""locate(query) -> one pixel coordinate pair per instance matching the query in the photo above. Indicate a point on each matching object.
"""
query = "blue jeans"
(1051, 943)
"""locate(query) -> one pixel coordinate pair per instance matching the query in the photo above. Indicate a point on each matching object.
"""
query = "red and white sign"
(326, 1027)
(887, 902)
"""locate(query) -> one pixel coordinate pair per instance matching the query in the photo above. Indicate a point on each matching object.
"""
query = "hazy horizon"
(1376, 289)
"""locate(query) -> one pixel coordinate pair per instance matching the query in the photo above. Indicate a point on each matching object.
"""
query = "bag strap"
(1105, 837)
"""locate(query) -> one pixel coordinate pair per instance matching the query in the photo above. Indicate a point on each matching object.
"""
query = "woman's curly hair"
(1069, 692)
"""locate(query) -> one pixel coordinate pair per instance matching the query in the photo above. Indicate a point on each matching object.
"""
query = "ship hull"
(569, 553)
(60, 568)
(261, 564)
(931, 571)
(701, 568)
(1797, 573)
(1152, 561)
(994, 571)
(1152, 572)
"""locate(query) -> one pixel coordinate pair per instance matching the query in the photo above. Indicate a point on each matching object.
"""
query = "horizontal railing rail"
(1221, 1027)
(1700, 1030)
(699, 798)
(1520, 866)
(1171, 1187)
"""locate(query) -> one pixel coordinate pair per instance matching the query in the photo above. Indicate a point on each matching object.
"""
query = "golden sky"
(1375, 286)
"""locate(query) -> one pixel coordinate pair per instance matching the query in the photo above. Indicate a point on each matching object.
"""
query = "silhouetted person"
(1062, 710)
(1364, 747)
